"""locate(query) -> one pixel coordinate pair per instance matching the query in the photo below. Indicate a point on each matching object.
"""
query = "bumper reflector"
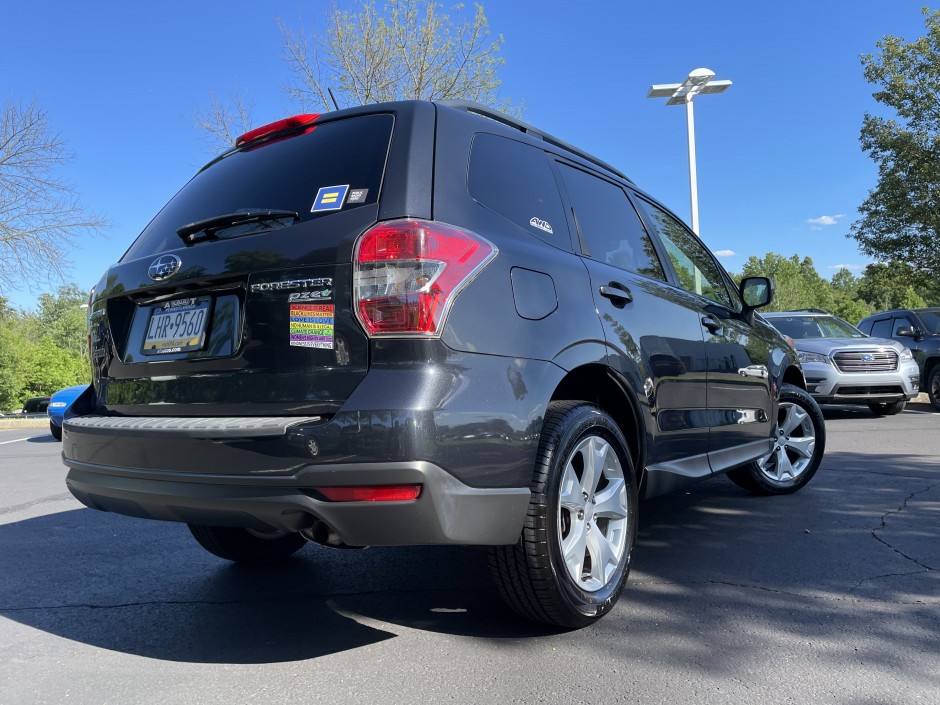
(386, 493)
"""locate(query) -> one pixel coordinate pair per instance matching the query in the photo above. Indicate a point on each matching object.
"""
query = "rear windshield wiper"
(211, 226)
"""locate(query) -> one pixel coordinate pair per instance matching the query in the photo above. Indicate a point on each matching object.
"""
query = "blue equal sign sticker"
(330, 198)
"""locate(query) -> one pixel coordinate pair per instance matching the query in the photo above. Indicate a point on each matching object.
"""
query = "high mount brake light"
(408, 273)
(291, 123)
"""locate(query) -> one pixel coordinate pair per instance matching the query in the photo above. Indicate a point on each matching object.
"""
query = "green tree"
(400, 50)
(900, 218)
(11, 365)
(846, 304)
(797, 284)
(890, 285)
(43, 351)
(47, 368)
(63, 319)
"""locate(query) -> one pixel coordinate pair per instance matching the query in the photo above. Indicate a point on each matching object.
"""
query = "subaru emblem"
(164, 267)
(868, 357)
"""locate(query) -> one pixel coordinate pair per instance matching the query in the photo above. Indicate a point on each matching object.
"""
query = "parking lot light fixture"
(698, 82)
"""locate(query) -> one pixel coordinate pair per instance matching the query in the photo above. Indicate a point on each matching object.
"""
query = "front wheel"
(798, 445)
(887, 408)
(571, 562)
(933, 387)
(247, 545)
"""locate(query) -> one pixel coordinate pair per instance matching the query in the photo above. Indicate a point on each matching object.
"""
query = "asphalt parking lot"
(828, 596)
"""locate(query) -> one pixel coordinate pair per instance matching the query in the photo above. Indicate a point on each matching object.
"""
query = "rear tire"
(247, 545)
(573, 557)
(56, 431)
(887, 408)
(799, 443)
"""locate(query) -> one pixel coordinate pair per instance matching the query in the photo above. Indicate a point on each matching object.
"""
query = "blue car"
(58, 403)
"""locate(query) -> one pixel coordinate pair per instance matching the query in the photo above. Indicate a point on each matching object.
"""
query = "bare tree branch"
(41, 218)
(400, 50)
(224, 120)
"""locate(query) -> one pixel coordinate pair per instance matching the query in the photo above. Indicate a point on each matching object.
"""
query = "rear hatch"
(235, 300)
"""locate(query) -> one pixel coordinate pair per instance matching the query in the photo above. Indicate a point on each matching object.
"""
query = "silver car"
(842, 365)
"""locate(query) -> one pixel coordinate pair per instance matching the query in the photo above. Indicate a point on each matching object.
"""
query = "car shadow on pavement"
(145, 587)
(714, 568)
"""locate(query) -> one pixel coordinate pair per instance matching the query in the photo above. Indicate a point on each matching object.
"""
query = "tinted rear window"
(282, 175)
(516, 181)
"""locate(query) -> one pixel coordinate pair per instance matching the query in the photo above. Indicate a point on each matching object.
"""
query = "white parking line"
(3, 443)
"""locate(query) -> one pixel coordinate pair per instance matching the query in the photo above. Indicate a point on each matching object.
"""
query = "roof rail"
(469, 106)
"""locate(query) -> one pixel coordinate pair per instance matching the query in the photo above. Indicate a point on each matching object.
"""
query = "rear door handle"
(712, 323)
(618, 294)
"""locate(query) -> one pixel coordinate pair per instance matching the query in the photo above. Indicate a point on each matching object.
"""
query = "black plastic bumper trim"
(447, 512)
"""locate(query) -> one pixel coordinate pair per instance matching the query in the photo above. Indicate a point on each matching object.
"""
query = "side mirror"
(908, 332)
(756, 292)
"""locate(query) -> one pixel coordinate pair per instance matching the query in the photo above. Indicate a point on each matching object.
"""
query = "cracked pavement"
(827, 596)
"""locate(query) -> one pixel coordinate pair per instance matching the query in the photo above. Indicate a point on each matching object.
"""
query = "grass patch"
(7, 423)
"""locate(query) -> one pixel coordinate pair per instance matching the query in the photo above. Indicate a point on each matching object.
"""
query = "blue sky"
(779, 164)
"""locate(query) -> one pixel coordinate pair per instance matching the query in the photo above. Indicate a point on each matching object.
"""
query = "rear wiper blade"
(210, 226)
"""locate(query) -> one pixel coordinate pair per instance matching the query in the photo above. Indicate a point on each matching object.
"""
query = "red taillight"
(273, 128)
(408, 273)
(387, 493)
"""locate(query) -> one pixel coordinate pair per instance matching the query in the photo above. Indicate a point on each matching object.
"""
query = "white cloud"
(850, 267)
(725, 253)
(823, 220)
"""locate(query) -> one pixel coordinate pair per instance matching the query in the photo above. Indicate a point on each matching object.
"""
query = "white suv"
(842, 365)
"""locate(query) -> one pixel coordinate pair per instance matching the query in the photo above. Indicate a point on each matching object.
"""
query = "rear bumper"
(446, 512)
(464, 427)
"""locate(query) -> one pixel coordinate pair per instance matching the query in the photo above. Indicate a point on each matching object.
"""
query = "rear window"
(342, 162)
(516, 181)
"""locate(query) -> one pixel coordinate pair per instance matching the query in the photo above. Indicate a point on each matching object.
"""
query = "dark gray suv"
(428, 323)
(919, 330)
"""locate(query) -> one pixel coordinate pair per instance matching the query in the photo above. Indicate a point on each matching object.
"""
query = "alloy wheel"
(794, 442)
(592, 515)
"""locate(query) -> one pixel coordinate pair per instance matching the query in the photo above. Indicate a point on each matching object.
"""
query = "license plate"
(176, 326)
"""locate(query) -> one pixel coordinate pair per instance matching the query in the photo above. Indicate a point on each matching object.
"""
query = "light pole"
(699, 81)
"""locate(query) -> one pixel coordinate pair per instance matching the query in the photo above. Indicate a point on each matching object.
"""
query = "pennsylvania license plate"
(176, 326)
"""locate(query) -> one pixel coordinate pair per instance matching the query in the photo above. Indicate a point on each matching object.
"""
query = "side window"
(609, 227)
(881, 329)
(694, 266)
(516, 181)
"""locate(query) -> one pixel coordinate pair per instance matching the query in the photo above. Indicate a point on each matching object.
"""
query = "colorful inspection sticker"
(311, 325)
(329, 198)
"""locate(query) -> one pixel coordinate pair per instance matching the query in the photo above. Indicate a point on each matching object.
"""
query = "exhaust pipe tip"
(323, 534)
